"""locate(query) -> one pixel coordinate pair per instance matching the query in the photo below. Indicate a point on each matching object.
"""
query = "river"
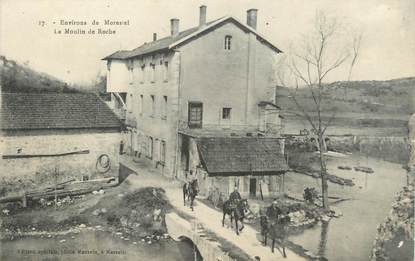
(351, 236)
(96, 245)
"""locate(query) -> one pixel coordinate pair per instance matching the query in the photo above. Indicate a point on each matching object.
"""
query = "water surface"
(351, 236)
(93, 245)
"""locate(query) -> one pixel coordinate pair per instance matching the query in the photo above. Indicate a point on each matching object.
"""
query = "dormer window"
(228, 41)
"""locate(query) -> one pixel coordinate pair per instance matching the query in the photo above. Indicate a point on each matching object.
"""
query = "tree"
(308, 64)
(357, 39)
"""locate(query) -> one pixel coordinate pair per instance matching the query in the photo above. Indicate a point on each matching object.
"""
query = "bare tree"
(308, 64)
(357, 39)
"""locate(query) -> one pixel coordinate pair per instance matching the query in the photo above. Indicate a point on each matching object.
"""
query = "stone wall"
(393, 149)
(179, 228)
(31, 172)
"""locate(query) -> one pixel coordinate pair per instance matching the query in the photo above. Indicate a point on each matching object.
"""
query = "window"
(163, 151)
(109, 65)
(153, 73)
(226, 113)
(195, 114)
(228, 40)
(143, 73)
(150, 148)
(153, 106)
(166, 72)
(164, 108)
(141, 105)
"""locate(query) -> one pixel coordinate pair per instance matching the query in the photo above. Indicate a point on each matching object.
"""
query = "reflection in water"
(351, 236)
(323, 238)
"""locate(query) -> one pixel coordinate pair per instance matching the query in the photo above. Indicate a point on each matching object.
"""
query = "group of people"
(274, 219)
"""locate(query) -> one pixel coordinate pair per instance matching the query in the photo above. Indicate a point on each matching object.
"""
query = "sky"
(387, 49)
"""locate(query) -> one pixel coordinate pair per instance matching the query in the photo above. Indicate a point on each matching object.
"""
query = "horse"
(264, 224)
(235, 212)
(277, 230)
(190, 190)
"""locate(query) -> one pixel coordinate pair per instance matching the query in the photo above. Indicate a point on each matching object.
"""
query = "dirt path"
(206, 216)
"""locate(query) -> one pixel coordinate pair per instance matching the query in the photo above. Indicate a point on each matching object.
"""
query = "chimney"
(174, 26)
(154, 37)
(251, 16)
(202, 15)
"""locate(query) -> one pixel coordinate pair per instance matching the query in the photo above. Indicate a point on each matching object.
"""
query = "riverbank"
(351, 236)
(395, 237)
(136, 213)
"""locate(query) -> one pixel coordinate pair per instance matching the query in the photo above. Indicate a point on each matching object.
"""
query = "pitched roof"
(27, 111)
(183, 37)
(118, 55)
(241, 156)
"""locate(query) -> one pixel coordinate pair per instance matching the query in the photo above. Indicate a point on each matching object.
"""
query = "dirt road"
(205, 215)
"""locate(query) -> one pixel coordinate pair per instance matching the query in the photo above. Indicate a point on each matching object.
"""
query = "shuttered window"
(195, 114)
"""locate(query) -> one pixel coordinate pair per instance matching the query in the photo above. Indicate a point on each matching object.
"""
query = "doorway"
(252, 187)
(185, 157)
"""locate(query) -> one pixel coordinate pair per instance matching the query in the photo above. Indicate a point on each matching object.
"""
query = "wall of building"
(160, 124)
(117, 76)
(205, 72)
(238, 78)
(27, 173)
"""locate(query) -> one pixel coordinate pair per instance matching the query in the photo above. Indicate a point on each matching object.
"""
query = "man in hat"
(190, 177)
(235, 197)
(273, 211)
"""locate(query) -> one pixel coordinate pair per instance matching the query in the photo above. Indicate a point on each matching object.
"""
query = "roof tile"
(55, 111)
(224, 155)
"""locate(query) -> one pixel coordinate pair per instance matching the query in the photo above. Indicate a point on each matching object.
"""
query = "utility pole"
(56, 184)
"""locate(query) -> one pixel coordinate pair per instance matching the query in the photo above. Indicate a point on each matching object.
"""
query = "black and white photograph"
(207, 130)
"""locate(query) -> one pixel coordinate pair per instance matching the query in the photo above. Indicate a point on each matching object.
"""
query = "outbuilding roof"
(224, 156)
(170, 42)
(28, 111)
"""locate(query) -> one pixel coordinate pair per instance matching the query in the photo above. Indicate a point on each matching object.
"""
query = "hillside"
(361, 107)
(19, 78)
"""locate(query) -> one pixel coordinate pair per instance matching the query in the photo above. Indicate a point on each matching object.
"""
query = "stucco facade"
(117, 76)
(223, 65)
(238, 78)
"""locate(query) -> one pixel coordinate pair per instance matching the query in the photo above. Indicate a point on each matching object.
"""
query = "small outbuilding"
(55, 137)
(255, 165)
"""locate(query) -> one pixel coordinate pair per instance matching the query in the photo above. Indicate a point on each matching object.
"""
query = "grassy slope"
(367, 104)
(19, 78)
